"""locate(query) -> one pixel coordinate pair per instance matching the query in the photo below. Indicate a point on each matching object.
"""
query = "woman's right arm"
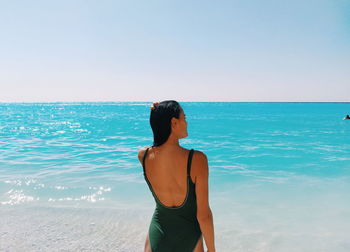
(204, 214)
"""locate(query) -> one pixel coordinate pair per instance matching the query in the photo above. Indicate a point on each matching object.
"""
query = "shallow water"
(279, 175)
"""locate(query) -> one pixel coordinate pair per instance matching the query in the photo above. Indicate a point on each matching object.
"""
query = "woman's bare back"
(167, 173)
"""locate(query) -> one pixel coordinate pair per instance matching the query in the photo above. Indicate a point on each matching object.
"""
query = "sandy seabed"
(38, 228)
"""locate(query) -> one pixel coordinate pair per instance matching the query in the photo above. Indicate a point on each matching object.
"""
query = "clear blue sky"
(247, 50)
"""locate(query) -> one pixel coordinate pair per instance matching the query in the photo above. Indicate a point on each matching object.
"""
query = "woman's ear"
(173, 121)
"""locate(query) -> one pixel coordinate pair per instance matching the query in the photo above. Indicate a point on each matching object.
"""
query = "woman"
(178, 180)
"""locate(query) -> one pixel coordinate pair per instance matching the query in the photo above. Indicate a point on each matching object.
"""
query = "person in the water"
(346, 117)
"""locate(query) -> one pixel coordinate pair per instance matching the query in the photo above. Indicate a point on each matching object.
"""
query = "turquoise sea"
(70, 179)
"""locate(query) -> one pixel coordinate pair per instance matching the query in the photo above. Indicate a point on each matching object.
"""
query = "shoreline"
(242, 226)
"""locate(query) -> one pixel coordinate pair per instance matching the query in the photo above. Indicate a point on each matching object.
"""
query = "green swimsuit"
(174, 229)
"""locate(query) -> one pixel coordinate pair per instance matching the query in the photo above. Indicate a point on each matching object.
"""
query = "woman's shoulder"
(199, 154)
(199, 162)
(141, 152)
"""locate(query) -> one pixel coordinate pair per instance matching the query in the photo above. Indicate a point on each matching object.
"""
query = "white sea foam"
(16, 197)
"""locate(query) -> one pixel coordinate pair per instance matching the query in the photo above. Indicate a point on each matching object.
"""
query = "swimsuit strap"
(189, 162)
(143, 161)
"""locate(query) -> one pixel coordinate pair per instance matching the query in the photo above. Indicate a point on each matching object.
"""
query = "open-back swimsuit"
(174, 229)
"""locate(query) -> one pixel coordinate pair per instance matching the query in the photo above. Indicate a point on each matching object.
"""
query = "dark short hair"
(160, 120)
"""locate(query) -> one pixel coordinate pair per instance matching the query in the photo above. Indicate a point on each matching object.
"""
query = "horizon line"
(2, 102)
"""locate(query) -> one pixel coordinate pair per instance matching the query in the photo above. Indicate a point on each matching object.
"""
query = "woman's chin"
(185, 136)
